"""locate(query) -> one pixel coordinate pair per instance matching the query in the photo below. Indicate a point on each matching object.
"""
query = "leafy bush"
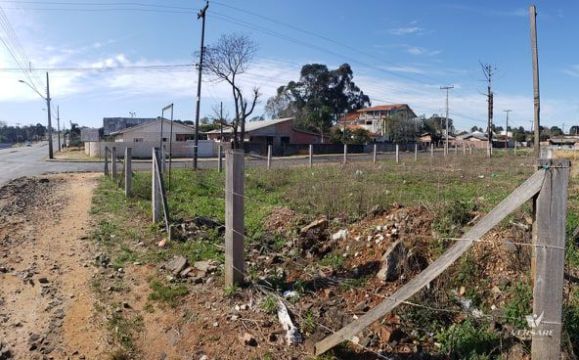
(468, 340)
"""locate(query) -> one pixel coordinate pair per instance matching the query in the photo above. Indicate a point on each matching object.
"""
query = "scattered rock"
(340, 235)
(177, 264)
(319, 224)
(162, 243)
(392, 262)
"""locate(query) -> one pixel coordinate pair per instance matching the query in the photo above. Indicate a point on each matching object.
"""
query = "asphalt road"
(32, 161)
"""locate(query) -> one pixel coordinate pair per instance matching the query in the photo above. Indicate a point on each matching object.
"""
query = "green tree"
(318, 98)
(555, 131)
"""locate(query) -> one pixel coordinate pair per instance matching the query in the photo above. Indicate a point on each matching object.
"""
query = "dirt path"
(46, 303)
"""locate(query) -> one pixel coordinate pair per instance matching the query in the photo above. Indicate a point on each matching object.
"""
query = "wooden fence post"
(220, 158)
(549, 260)
(269, 150)
(311, 160)
(114, 162)
(106, 171)
(375, 153)
(415, 152)
(234, 217)
(128, 171)
(155, 191)
(397, 154)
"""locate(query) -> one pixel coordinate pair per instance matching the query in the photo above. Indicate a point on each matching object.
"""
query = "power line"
(107, 68)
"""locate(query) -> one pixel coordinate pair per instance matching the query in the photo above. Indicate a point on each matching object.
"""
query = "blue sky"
(401, 52)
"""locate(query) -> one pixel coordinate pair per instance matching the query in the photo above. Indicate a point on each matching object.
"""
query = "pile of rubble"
(179, 268)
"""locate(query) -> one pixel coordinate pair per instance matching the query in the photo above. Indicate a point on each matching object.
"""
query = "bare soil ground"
(45, 297)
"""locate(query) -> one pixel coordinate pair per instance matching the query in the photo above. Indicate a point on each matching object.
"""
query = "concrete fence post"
(549, 260)
(234, 217)
(155, 191)
(455, 149)
(269, 151)
(431, 150)
(311, 157)
(470, 150)
(397, 154)
(463, 148)
(114, 162)
(345, 154)
(415, 152)
(106, 171)
(128, 172)
(375, 153)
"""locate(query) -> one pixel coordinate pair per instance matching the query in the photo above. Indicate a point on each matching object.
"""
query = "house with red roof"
(374, 118)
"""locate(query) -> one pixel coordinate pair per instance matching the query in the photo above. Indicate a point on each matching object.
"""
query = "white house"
(151, 132)
(177, 140)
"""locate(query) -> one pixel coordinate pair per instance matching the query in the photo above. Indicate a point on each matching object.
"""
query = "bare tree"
(228, 58)
(220, 118)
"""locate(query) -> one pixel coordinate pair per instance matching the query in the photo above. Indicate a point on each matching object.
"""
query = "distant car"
(28, 143)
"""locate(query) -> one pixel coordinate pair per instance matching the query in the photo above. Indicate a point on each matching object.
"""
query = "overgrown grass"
(167, 293)
(519, 304)
(469, 340)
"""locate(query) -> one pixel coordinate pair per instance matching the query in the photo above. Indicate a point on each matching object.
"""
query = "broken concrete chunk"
(392, 262)
(340, 235)
(292, 335)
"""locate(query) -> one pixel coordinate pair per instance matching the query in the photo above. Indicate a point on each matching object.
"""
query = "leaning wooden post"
(128, 172)
(345, 154)
(114, 162)
(375, 153)
(549, 260)
(220, 158)
(234, 222)
(311, 158)
(415, 152)
(155, 191)
(106, 161)
(269, 156)
(397, 153)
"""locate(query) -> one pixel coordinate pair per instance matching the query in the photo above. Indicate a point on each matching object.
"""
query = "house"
(115, 124)
(176, 139)
(375, 119)
(276, 132)
(565, 141)
(150, 131)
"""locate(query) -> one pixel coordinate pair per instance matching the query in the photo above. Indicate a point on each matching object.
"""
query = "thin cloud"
(406, 30)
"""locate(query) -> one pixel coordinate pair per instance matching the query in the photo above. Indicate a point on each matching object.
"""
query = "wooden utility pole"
(234, 217)
(220, 158)
(128, 172)
(536, 95)
(200, 15)
(549, 260)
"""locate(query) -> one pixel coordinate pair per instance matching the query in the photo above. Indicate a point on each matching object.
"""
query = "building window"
(164, 139)
(138, 140)
(184, 137)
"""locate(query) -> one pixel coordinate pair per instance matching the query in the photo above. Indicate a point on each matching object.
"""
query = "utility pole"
(58, 125)
(507, 129)
(488, 73)
(200, 15)
(50, 150)
(446, 140)
(536, 95)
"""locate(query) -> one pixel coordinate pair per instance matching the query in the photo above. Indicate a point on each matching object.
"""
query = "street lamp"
(47, 99)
